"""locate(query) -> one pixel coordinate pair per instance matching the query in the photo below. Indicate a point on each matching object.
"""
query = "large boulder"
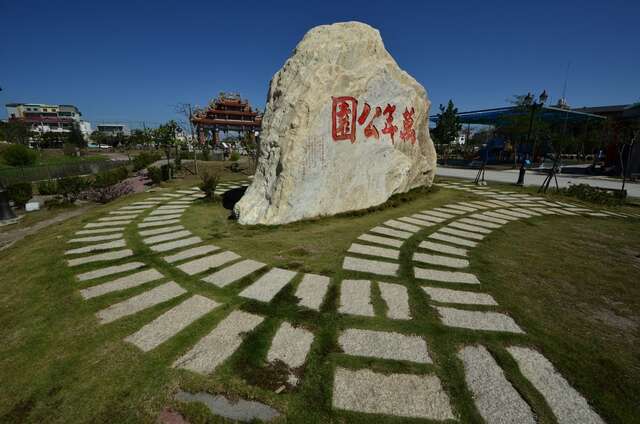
(344, 129)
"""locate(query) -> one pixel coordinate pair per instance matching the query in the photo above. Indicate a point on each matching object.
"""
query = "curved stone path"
(101, 254)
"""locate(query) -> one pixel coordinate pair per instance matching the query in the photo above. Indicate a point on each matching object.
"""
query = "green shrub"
(108, 185)
(47, 187)
(19, 155)
(70, 188)
(122, 173)
(206, 153)
(155, 174)
(145, 159)
(592, 194)
(234, 157)
(20, 193)
(209, 184)
(70, 150)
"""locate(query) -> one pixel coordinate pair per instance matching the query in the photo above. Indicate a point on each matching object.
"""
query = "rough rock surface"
(313, 163)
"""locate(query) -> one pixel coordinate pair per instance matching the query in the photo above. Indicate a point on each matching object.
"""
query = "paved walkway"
(535, 179)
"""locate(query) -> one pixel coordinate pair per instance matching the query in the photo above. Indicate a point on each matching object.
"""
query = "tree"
(15, 131)
(165, 137)
(250, 144)
(98, 138)
(76, 137)
(447, 125)
(186, 111)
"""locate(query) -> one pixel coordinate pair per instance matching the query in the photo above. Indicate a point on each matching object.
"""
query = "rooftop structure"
(113, 129)
(227, 112)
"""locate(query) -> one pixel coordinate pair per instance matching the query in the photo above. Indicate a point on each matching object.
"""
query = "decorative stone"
(214, 348)
(140, 302)
(171, 322)
(267, 286)
(496, 399)
(290, 345)
(397, 300)
(477, 320)
(320, 153)
(355, 298)
(234, 272)
(567, 404)
(371, 266)
(311, 290)
(446, 276)
(459, 296)
(385, 345)
(122, 283)
(405, 395)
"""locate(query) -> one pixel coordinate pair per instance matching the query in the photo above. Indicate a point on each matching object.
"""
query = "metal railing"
(28, 174)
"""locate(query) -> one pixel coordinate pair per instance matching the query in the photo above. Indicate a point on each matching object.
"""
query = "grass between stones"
(569, 282)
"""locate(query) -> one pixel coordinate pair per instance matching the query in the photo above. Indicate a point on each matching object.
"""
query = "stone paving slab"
(402, 226)
(212, 261)
(461, 207)
(397, 299)
(477, 320)
(498, 215)
(290, 345)
(494, 396)
(460, 233)
(442, 248)
(371, 266)
(468, 227)
(562, 211)
(191, 253)
(514, 213)
(543, 211)
(110, 270)
(106, 224)
(186, 202)
(416, 221)
(171, 322)
(459, 296)
(169, 207)
(268, 285)
(355, 298)
(453, 240)
(140, 302)
(311, 290)
(488, 218)
(390, 232)
(156, 231)
(383, 252)
(428, 218)
(405, 395)
(479, 223)
(445, 276)
(598, 214)
(440, 260)
(116, 218)
(122, 283)
(158, 212)
(214, 348)
(473, 205)
(384, 345)
(100, 231)
(485, 204)
(114, 244)
(228, 275)
(437, 214)
(166, 237)
(170, 195)
(135, 208)
(108, 256)
(381, 240)
(567, 404)
(91, 239)
(450, 211)
(161, 218)
(158, 223)
(171, 245)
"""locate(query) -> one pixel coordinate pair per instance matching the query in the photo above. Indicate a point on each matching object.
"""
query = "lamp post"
(533, 105)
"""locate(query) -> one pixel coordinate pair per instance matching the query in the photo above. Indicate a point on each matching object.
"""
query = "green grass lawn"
(569, 281)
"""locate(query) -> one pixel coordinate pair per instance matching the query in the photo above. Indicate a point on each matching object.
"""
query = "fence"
(28, 174)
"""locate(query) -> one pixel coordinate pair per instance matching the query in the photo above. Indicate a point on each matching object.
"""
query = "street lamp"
(533, 105)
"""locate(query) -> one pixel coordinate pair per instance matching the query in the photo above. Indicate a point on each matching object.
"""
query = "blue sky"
(132, 61)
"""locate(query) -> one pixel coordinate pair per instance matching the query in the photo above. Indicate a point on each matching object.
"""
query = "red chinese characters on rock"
(407, 132)
(344, 113)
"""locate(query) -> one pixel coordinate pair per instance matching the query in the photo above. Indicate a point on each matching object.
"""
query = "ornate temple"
(227, 112)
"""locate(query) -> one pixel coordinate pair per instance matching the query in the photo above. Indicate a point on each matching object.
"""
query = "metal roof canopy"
(499, 115)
